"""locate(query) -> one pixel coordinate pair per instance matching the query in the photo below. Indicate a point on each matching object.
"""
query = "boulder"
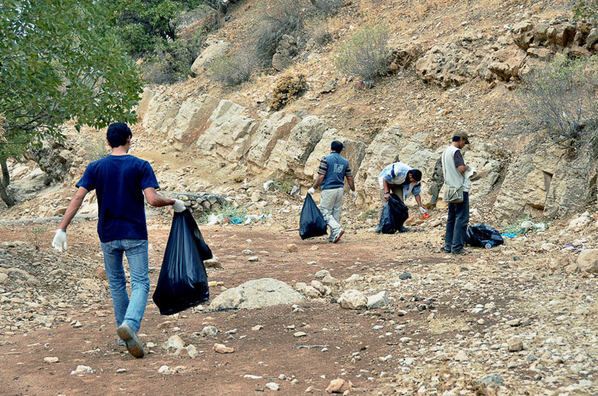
(276, 127)
(191, 120)
(588, 261)
(215, 50)
(353, 299)
(258, 293)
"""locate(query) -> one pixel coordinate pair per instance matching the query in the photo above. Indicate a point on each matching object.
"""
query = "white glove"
(59, 242)
(311, 191)
(179, 206)
(354, 195)
(422, 211)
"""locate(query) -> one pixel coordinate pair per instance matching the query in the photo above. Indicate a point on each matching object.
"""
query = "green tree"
(144, 23)
(59, 61)
(586, 10)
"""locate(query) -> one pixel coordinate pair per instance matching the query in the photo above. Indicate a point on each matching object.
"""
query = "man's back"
(119, 181)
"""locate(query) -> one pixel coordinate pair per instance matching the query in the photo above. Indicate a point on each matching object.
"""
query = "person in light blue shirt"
(400, 179)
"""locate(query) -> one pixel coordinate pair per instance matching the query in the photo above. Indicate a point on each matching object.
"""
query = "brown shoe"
(338, 238)
(130, 338)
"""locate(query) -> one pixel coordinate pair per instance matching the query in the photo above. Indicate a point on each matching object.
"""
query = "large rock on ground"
(258, 293)
(214, 51)
(588, 261)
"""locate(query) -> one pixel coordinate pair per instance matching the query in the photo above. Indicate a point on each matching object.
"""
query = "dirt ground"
(370, 348)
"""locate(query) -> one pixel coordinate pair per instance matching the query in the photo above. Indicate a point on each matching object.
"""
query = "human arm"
(73, 207)
(157, 200)
(317, 183)
(386, 189)
(460, 162)
(60, 241)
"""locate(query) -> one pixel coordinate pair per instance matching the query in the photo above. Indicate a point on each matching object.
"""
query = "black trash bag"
(183, 281)
(311, 223)
(482, 235)
(394, 214)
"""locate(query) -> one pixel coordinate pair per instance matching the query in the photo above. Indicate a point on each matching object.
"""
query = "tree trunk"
(5, 175)
(4, 183)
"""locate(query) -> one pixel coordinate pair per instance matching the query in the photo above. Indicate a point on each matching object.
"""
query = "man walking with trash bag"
(331, 176)
(121, 181)
(456, 193)
(400, 179)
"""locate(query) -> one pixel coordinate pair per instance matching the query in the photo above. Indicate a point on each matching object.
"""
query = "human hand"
(422, 211)
(59, 241)
(178, 206)
(387, 196)
(354, 195)
(311, 191)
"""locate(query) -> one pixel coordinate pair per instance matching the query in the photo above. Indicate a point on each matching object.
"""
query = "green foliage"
(170, 62)
(370, 213)
(366, 55)
(559, 98)
(284, 185)
(287, 88)
(142, 24)
(586, 10)
(38, 234)
(277, 18)
(233, 70)
(60, 61)
(327, 7)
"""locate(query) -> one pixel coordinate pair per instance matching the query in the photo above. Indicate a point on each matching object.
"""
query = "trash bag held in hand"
(312, 223)
(394, 214)
(482, 235)
(183, 281)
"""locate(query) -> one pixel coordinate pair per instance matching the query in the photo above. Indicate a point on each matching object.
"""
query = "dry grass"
(441, 324)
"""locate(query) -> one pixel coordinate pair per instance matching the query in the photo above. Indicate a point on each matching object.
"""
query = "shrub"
(233, 70)
(170, 62)
(278, 18)
(287, 88)
(366, 55)
(560, 99)
(327, 7)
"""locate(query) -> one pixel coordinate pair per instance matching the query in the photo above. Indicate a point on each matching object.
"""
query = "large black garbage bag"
(311, 223)
(394, 214)
(183, 281)
(482, 235)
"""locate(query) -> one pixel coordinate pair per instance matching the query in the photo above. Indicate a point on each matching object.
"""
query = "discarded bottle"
(488, 246)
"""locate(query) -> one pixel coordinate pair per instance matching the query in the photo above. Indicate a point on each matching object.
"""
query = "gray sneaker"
(338, 237)
(131, 342)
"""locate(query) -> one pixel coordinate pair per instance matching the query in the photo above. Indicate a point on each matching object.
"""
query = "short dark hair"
(416, 174)
(456, 138)
(336, 146)
(117, 134)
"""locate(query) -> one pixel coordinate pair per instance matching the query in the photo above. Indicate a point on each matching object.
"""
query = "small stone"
(339, 385)
(292, 248)
(209, 331)
(120, 371)
(272, 386)
(299, 334)
(165, 325)
(515, 345)
(405, 276)
(221, 348)
(51, 360)
(253, 259)
(165, 370)
(257, 327)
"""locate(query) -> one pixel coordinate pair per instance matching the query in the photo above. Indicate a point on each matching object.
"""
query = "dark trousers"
(456, 225)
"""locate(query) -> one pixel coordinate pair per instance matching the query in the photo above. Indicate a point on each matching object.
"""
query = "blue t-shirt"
(119, 181)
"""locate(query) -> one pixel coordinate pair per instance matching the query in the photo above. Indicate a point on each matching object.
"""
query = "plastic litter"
(215, 219)
(183, 281)
(312, 223)
(394, 214)
(267, 185)
(482, 235)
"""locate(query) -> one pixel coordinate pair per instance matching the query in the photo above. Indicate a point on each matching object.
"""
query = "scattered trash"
(508, 235)
(215, 219)
(482, 235)
(253, 217)
(577, 247)
(267, 185)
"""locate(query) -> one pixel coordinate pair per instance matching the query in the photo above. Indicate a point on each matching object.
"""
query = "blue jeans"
(125, 310)
(456, 225)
